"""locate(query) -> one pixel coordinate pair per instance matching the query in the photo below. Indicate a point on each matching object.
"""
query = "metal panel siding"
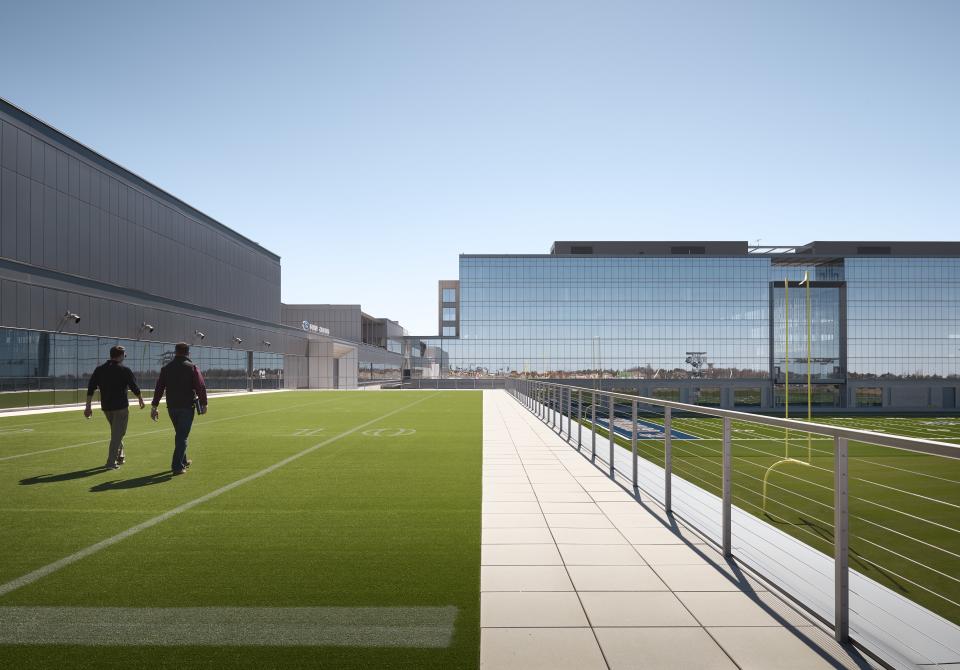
(49, 166)
(63, 232)
(49, 238)
(8, 213)
(9, 149)
(23, 306)
(73, 247)
(36, 223)
(23, 153)
(36, 309)
(23, 219)
(8, 302)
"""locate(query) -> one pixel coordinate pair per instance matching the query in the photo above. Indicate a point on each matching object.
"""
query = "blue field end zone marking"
(646, 430)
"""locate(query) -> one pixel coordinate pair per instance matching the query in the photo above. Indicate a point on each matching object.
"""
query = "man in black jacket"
(113, 378)
(182, 381)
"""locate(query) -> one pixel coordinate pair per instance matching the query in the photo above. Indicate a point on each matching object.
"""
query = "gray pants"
(117, 418)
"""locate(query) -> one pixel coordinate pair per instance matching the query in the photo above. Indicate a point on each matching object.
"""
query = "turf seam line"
(158, 430)
(49, 569)
(411, 627)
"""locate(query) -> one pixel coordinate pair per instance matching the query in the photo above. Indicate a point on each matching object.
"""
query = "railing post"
(633, 442)
(579, 419)
(593, 425)
(841, 544)
(553, 407)
(569, 414)
(727, 490)
(610, 432)
(667, 462)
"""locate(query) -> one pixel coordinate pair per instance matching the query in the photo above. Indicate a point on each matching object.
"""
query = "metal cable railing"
(895, 523)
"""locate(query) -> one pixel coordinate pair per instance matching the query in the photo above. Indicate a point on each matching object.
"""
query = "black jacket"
(113, 379)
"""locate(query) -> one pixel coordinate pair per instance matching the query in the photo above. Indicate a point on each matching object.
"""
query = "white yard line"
(418, 627)
(40, 573)
(164, 429)
(73, 407)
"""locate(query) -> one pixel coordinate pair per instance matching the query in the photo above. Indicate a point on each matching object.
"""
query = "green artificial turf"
(904, 519)
(363, 521)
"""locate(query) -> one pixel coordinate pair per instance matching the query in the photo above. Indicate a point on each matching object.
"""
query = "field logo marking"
(389, 432)
(40, 573)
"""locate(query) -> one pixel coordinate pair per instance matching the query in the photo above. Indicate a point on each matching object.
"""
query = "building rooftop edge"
(96, 156)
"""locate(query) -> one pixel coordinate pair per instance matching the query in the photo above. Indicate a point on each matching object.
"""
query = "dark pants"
(182, 419)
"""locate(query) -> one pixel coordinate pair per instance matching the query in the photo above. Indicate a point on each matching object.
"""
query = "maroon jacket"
(182, 381)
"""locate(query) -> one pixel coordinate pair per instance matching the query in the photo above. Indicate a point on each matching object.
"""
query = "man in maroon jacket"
(182, 381)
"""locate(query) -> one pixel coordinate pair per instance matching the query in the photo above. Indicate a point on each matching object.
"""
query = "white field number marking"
(10, 431)
(307, 432)
(389, 432)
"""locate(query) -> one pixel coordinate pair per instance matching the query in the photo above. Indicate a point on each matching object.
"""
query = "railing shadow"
(726, 566)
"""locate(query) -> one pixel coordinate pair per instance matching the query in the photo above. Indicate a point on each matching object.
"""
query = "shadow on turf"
(63, 477)
(135, 483)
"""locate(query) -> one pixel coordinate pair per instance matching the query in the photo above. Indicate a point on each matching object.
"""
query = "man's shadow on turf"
(63, 477)
(137, 482)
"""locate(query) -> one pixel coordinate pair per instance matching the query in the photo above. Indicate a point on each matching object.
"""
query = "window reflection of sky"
(638, 317)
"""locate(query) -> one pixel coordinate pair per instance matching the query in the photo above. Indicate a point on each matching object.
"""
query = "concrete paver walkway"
(577, 573)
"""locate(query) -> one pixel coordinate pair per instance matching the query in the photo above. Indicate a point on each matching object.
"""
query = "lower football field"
(314, 529)
(903, 521)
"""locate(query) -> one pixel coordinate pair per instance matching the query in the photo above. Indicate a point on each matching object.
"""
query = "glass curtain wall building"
(40, 368)
(715, 323)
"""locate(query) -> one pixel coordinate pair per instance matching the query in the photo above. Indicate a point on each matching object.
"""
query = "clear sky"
(369, 143)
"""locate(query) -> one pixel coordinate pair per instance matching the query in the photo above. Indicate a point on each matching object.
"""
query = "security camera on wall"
(197, 333)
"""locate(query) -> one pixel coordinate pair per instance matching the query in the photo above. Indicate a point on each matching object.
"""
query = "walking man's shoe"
(180, 472)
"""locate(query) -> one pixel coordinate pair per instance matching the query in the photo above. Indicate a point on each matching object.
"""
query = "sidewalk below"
(577, 573)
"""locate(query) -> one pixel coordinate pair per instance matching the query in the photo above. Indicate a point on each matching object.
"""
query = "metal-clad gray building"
(379, 341)
(91, 254)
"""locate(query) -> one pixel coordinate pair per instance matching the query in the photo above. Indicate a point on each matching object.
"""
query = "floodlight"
(67, 316)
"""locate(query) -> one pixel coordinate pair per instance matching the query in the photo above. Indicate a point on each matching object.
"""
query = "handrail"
(547, 401)
(894, 441)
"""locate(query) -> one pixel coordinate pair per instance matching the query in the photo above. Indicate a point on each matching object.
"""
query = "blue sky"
(369, 143)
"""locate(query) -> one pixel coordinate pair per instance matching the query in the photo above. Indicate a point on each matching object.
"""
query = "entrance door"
(949, 398)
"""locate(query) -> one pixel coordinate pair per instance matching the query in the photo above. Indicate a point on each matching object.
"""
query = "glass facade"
(42, 368)
(696, 318)
(612, 317)
(903, 318)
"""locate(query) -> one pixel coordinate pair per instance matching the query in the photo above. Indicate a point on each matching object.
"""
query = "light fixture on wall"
(197, 333)
(66, 318)
(144, 328)
(238, 340)
(266, 343)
